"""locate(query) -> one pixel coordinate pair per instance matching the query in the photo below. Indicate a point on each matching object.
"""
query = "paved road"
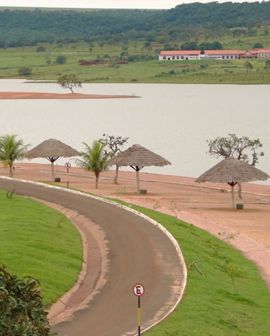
(138, 252)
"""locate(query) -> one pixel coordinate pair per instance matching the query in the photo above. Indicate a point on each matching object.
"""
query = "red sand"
(47, 95)
(207, 206)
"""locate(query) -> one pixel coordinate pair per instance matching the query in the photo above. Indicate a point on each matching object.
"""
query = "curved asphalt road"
(138, 252)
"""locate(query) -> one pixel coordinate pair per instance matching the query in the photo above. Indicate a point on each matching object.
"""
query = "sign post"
(138, 290)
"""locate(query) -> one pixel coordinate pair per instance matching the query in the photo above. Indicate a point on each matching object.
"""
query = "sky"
(155, 4)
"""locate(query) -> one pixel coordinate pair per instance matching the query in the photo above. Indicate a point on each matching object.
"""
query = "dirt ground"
(47, 95)
(207, 206)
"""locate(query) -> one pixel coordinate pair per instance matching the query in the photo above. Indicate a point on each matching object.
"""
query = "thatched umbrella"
(52, 150)
(138, 157)
(232, 171)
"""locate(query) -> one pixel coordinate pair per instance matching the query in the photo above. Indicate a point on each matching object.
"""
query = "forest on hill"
(27, 27)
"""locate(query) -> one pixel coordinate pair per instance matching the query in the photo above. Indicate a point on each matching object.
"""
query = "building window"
(177, 57)
(164, 57)
(173, 57)
(182, 57)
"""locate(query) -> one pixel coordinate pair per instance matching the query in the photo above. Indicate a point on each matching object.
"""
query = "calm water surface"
(172, 120)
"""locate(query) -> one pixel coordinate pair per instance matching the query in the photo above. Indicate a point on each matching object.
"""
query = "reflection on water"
(173, 120)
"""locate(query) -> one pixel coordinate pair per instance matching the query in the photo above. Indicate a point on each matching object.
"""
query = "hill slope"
(29, 27)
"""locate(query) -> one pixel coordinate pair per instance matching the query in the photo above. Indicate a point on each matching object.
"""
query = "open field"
(209, 306)
(39, 241)
(131, 63)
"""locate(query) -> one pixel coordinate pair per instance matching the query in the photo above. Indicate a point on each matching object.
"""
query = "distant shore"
(50, 95)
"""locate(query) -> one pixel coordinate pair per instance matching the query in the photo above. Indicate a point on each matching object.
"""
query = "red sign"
(138, 289)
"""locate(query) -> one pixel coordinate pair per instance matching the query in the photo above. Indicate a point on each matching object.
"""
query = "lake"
(173, 120)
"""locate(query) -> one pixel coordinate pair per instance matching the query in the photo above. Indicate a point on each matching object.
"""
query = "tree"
(25, 71)
(189, 46)
(112, 146)
(258, 45)
(241, 148)
(248, 66)
(40, 49)
(21, 308)
(61, 59)
(11, 149)
(267, 64)
(69, 82)
(94, 159)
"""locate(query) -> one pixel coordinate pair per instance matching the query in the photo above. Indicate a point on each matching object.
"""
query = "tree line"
(185, 22)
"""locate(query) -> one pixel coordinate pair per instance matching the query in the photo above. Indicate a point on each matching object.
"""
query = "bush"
(61, 59)
(25, 71)
(258, 45)
(40, 49)
(21, 309)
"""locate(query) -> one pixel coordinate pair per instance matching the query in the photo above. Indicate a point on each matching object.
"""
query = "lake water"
(173, 120)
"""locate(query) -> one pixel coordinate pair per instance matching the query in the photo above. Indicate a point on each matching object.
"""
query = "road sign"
(138, 289)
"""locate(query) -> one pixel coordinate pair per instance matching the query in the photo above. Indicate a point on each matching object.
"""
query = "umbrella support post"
(52, 166)
(233, 196)
(138, 179)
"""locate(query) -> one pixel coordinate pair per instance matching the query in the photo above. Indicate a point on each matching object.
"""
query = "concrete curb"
(150, 220)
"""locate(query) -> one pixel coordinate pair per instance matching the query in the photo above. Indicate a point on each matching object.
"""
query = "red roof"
(260, 51)
(223, 52)
(180, 52)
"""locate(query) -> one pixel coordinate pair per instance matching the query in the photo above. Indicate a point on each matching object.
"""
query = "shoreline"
(50, 95)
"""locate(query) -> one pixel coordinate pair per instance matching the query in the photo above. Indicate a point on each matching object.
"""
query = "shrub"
(61, 59)
(25, 71)
(40, 49)
(21, 309)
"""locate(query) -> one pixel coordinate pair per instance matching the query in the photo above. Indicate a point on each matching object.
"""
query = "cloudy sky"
(101, 3)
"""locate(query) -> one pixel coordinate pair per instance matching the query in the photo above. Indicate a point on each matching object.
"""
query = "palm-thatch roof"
(231, 170)
(138, 156)
(51, 148)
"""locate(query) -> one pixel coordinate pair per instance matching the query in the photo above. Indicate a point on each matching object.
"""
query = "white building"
(262, 53)
(223, 54)
(177, 55)
(180, 55)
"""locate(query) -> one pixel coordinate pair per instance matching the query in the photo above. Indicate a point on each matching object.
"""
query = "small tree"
(248, 66)
(21, 308)
(69, 82)
(232, 271)
(112, 146)
(61, 59)
(94, 159)
(11, 149)
(258, 45)
(25, 71)
(241, 148)
(40, 49)
(267, 64)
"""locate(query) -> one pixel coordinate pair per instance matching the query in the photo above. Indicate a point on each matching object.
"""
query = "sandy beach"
(49, 95)
(206, 205)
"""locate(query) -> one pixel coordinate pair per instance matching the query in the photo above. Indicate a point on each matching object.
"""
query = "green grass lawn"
(39, 241)
(142, 71)
(209, 306)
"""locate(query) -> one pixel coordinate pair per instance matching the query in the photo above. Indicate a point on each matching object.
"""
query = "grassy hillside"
(40, 242)
(130, 63)
(210, 305)
(184, 22)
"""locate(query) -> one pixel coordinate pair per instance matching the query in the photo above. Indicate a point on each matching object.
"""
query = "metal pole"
(139, 316)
